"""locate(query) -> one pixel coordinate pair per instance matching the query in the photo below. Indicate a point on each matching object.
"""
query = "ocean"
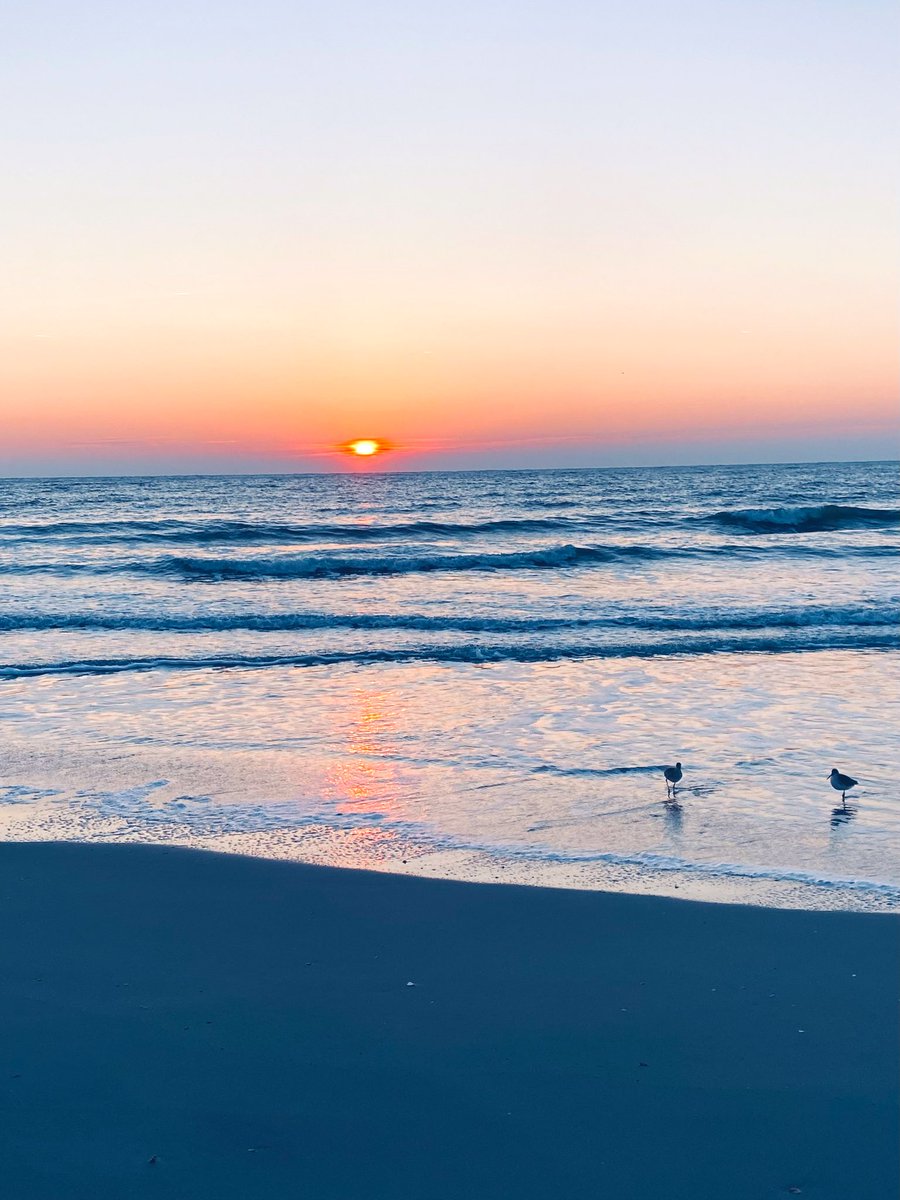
(477, 676)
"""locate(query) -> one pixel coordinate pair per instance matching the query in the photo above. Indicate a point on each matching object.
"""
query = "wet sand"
(186, 1025)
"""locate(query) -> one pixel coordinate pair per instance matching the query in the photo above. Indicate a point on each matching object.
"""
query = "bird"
(673, 776)
(841, 783)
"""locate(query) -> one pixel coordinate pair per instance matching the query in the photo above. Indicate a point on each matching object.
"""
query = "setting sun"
(364, 447)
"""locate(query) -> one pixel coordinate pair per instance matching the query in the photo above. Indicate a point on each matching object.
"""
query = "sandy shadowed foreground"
(178, 1024)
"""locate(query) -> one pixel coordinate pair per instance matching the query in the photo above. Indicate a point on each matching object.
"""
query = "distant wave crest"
(821, 518)
(818, 518)
(204, 531)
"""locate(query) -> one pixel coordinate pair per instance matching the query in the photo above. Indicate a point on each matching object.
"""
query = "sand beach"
(182, 1024)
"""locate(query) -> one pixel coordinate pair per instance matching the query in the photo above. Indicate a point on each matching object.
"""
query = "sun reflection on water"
(365, 778)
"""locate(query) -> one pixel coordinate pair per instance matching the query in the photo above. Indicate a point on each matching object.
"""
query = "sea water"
(471, 675)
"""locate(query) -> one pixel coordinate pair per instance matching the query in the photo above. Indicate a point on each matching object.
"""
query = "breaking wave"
(324, 565)
(819, 518)
(318, 566)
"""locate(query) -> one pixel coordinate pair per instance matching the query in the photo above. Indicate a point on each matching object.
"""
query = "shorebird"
(673, 776)
(841, 783)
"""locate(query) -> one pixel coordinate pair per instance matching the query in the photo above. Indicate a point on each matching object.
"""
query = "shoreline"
(386, 850)
(181, 1023)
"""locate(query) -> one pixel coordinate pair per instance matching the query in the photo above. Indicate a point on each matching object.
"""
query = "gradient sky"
(235, 235)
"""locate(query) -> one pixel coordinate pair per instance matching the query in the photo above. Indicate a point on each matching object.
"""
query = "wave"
(819, 518)
(234, 531)
(202, 531)
(654, 619)
(549, 558)
(474, 654)
(334, 566)
(331, 566)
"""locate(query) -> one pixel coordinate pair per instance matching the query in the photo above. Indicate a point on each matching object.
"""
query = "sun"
(364, 447)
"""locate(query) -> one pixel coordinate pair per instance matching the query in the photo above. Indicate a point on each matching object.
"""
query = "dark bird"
(673, 776)
(841, 783)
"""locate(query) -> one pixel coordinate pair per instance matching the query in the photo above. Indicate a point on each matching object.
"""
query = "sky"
(550, 232)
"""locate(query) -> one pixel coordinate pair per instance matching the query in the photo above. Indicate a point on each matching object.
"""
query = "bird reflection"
(843, 815)
(674, 815)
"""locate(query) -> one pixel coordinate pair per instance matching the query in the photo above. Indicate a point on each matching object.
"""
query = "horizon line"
(814, 462)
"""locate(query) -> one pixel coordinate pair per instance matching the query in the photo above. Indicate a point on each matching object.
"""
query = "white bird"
(673, 776)
(841, 783)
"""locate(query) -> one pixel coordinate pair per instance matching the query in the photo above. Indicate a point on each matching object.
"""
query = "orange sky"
(462, 235)
(270, 392)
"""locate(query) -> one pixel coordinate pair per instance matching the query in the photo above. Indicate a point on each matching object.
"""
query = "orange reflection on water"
(367, 776)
